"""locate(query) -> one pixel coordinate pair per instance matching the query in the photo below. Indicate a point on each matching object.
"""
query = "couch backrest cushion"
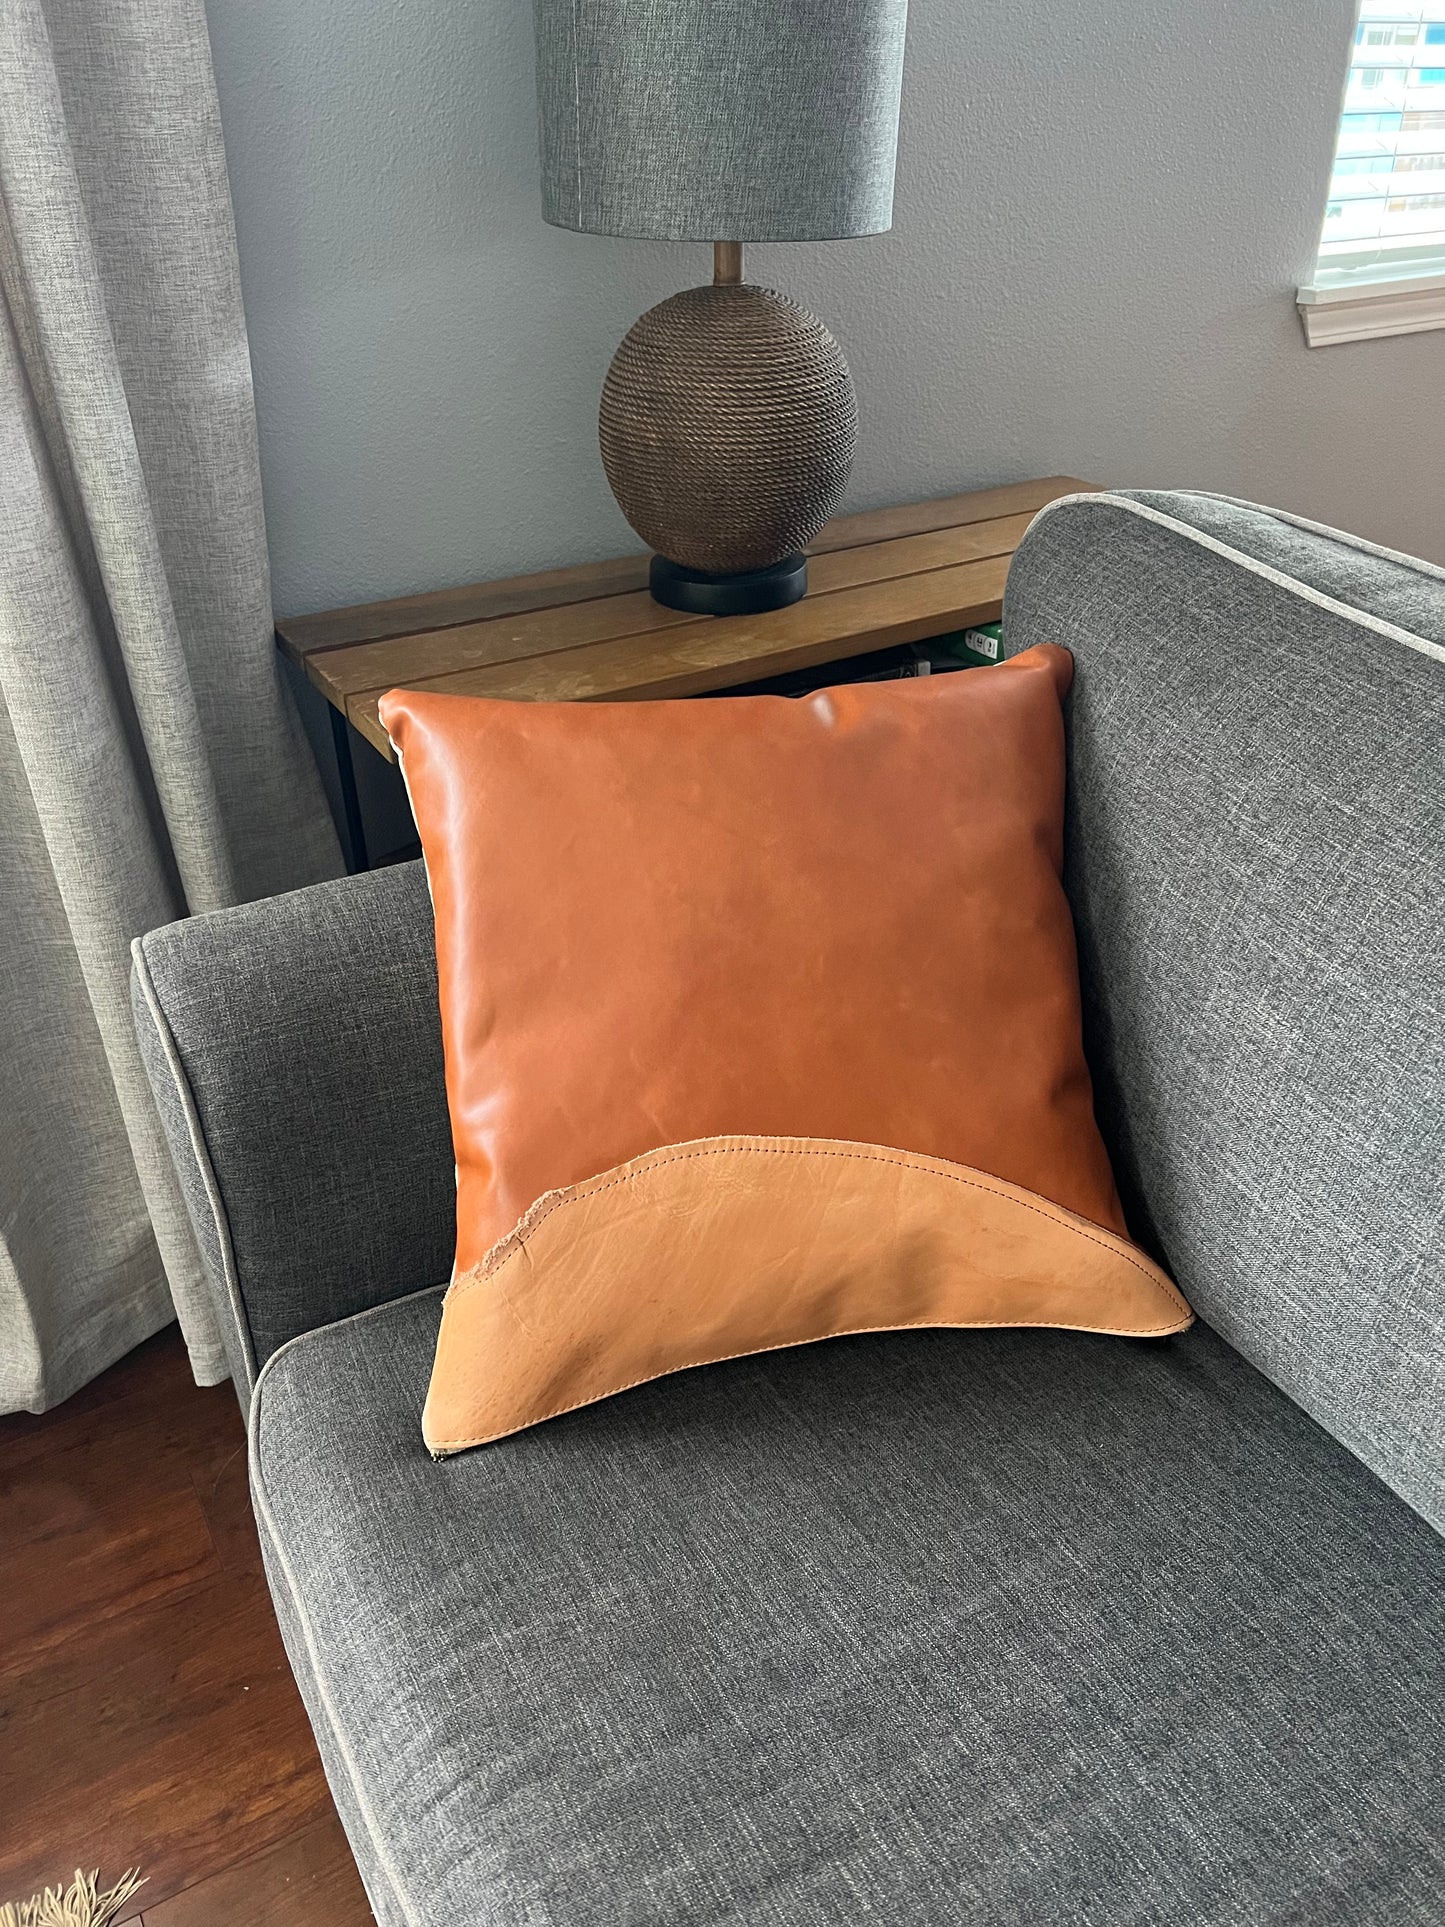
(295, 1049)
(1256, 859)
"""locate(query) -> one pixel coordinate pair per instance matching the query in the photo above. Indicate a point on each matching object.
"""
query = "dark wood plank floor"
(147, 1713)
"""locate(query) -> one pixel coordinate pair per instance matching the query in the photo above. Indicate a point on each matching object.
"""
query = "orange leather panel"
(706, 1251)
(838, 917)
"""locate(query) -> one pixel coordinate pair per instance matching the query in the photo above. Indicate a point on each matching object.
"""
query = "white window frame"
(1342, 305)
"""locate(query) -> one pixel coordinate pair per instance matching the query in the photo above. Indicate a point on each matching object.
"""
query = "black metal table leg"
(356, 858)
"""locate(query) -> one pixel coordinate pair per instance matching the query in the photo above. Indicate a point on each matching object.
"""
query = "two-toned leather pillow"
(761, 1021)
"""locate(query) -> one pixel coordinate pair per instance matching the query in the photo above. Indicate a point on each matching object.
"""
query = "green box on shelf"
(975, 647)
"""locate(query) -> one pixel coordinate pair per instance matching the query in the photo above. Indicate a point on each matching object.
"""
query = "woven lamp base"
(728, 425)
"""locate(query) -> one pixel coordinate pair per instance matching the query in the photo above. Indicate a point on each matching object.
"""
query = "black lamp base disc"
(748, 594)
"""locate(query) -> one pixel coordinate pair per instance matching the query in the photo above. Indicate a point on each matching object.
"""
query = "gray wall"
(1103, 209)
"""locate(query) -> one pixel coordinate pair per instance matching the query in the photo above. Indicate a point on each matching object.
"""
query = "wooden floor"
(147, 1713)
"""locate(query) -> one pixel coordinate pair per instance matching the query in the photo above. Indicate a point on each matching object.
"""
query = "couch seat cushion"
(928, 1627)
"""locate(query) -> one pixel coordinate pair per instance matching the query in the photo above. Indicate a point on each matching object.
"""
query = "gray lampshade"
(703, 120)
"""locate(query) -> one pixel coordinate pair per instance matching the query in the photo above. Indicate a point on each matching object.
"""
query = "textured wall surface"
(1103, 210)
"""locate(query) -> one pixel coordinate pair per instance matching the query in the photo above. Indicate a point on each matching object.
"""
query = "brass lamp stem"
(727, 264)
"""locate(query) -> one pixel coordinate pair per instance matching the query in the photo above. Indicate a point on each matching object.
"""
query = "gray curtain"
(150, 767)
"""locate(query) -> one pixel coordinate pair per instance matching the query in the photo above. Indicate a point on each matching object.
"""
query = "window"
(1382, 240)
(1378, 231)
(1351, 124)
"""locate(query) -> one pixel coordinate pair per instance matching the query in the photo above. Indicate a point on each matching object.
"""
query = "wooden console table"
(590, 633)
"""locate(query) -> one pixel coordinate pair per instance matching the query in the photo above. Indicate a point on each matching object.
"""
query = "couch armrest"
(1256, 861)
(294, 1047)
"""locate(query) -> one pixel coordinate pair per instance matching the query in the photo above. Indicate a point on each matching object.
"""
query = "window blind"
(1385, 215)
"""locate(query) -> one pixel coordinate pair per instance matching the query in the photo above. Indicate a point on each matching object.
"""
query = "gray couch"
(935, 1627)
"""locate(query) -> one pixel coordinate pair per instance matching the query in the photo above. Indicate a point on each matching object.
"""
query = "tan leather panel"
(705, 1251)
(835, 917)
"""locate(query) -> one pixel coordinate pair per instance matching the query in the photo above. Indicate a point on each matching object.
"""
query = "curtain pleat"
(150, 765)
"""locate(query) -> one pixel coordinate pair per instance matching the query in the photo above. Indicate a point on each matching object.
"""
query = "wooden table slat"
(417, 659)
(591, 632)
(303, 637)
(948, 511)
(712, 655)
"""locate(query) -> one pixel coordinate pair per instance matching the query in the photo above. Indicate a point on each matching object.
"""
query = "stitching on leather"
(793, 1344)
(516, 1239)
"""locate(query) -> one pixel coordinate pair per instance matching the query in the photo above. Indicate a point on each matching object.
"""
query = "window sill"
(1408, 305)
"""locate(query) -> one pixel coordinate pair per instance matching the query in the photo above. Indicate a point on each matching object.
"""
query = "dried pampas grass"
(78, 1905)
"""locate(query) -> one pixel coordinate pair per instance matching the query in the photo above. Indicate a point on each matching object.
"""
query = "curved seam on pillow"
(444, 1446)
(592, 1188)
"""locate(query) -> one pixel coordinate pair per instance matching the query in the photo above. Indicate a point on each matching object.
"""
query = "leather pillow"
(761, 1022)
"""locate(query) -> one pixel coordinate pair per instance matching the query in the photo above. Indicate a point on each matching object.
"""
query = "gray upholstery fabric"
(928, 1629)
(1256, 860)
(150, 764)
(719, 119)
(295, 1050)
(1398, 589)
(176, 1108)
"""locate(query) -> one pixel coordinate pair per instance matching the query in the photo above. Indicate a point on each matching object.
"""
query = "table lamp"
(728, 418)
